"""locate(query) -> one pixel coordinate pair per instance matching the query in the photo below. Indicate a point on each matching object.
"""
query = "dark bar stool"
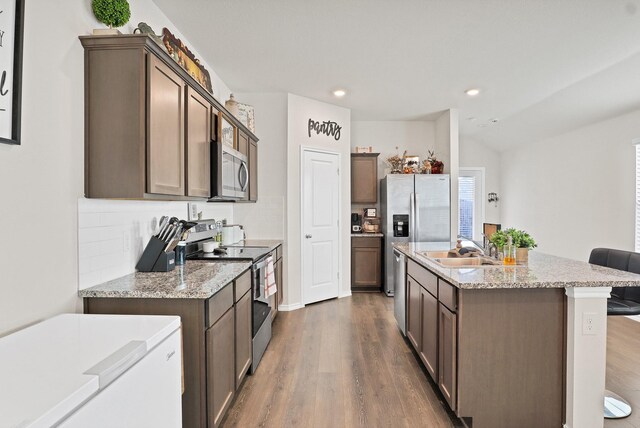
(623, 301)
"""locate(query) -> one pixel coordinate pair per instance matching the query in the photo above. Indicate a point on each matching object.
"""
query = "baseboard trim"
(347, 294)
(291, 307)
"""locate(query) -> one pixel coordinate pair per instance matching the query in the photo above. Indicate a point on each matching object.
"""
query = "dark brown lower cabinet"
(220, 363)
(279, 296)
(447, 355)
(243, 337)
(413, 312)
(213, 331)
(429, 335)
(474, 343)
(366, 263)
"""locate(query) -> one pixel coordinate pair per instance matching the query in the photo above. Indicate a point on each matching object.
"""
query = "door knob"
(308, 236)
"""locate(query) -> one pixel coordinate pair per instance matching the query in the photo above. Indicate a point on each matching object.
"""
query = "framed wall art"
(11, 38)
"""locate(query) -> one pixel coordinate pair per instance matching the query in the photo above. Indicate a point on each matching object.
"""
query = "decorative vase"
(437, 167)
(522, 256)
(106, 32)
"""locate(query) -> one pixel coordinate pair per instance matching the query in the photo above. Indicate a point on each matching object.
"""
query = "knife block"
(154, 259)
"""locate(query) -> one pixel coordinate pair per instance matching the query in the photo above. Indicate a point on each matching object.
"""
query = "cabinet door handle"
(308, 236)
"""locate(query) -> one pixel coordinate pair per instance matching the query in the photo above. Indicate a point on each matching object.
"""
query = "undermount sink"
(435, 254)
(467, 262)
(441, 258)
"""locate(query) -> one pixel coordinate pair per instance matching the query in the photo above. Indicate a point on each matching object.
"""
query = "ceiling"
(543, 67)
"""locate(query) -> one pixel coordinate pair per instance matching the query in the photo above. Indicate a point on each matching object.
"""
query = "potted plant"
(521, 239)
(114, 13)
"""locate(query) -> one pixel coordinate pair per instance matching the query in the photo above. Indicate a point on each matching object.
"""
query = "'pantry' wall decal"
(328, 128)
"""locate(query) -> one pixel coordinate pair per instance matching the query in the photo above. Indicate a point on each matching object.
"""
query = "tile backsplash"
(112, 234)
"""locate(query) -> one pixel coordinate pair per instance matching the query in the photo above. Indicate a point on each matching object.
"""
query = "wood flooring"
(343, 363)
(623, 367)
(340, 363)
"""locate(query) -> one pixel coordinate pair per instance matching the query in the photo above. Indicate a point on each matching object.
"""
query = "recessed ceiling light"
(339, 93)
(472, 92)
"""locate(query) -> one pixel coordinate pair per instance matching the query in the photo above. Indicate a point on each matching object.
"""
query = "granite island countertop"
(195, 280)
(542, 271)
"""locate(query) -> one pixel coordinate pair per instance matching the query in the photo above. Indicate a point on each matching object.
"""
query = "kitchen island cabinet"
(510, 344)
(216, 327)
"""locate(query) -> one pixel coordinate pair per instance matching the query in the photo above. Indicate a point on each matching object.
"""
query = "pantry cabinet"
(366, 263)
(364, 178)
(148, 123)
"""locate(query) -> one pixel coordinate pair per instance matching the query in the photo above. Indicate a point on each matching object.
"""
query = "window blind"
(637, 240)
(466, 203)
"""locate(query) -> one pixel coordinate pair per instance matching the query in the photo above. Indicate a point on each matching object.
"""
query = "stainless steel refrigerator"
(415, 208)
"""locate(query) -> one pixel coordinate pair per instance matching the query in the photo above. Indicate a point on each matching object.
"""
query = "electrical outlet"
(193, 211)
(589, 327)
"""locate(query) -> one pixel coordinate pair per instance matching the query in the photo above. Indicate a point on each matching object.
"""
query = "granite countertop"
(543, 271)
(367, 235)
(266, 243)
(195, 280)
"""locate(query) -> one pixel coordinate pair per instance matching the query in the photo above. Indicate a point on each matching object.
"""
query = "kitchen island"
(512, 346)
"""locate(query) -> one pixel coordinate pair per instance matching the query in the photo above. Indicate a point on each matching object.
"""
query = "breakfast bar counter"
(542, 271)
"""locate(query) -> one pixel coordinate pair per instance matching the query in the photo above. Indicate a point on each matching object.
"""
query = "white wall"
(300, 110)
(113, 234)
(266, 218)
(447, 150)
(575, 191)
(475, 154)
(416, 137)
(41, 180)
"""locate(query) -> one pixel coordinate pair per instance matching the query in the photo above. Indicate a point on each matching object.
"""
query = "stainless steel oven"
(229, 173)
(261, 320)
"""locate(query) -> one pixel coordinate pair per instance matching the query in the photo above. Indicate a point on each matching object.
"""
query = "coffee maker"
(356, 223)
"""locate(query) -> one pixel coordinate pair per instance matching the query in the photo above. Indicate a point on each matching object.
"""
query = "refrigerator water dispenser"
(401, 225)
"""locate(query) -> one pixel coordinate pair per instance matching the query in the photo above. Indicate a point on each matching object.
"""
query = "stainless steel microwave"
(229, 173)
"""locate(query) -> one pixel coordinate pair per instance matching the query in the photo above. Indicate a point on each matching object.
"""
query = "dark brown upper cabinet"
(364, 178)
(198, 145)
(243, 143)
(148, 123)
(253, 170)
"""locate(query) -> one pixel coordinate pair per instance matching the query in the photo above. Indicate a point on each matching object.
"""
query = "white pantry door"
(320, 229)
